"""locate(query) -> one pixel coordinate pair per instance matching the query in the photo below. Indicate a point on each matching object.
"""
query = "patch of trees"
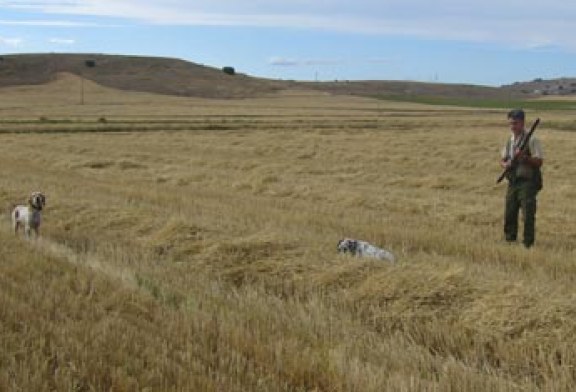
(229, 70)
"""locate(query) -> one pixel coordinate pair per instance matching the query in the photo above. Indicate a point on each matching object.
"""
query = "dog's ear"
(353, 246)
(43, 199)
(338, 246)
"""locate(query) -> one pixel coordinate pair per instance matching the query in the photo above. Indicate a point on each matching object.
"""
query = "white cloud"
(526, 23)
(291, 62)
(288, 62)
(49, 23)
(12, 42)
(282, 61)
(62, 41)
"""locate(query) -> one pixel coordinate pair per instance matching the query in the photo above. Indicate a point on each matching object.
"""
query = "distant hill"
(183, 78)
(148, 74)
(410, 89)
(560, 86)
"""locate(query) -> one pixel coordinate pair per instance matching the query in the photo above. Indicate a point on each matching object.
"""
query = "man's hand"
(521, 156)
(524, 158)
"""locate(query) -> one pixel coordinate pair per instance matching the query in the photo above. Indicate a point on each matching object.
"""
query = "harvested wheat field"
(190, 245)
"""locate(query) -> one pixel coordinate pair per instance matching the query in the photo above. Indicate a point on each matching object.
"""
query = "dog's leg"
(14, 217)
(15, 225)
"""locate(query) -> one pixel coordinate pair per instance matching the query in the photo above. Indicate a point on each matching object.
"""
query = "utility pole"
(81, 90)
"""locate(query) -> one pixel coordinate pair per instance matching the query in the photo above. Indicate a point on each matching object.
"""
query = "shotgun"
(522, 147)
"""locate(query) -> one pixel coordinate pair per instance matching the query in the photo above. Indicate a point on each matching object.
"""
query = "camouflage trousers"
(521, 195)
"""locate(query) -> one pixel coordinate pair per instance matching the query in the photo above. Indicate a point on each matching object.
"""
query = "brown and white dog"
(29, 216)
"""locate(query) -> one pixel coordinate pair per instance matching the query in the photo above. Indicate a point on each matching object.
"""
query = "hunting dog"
(364, 249)
(29, 216)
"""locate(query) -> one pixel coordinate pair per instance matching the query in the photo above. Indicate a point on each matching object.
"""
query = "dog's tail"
(389, 256)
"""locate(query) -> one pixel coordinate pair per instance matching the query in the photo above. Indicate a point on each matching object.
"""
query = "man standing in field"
(524, 181)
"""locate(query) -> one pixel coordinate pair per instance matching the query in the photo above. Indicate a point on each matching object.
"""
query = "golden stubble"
(190, 244)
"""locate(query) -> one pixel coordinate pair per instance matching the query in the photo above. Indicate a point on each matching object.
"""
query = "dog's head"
(37, 200)
(347, 245)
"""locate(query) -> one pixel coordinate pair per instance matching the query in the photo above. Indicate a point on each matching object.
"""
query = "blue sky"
(485, 42)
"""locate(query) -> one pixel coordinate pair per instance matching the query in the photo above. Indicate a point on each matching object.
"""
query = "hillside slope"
(406, 90)
(147, 74)
(183, 78)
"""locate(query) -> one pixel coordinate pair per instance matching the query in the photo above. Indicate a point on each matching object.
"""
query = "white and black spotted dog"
(29, 216)
(364, 249)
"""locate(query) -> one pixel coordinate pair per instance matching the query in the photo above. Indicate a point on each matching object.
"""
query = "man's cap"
(516, 114)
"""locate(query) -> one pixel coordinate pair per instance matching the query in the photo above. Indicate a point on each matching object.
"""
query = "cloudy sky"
(484, 42)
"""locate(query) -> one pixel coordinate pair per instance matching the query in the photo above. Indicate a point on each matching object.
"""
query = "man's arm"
(530, 161)
(504, 160)
(536, 158)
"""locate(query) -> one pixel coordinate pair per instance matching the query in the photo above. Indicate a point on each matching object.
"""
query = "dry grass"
(203, 258)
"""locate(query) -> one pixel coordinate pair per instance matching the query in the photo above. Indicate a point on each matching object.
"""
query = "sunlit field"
(190, 245)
